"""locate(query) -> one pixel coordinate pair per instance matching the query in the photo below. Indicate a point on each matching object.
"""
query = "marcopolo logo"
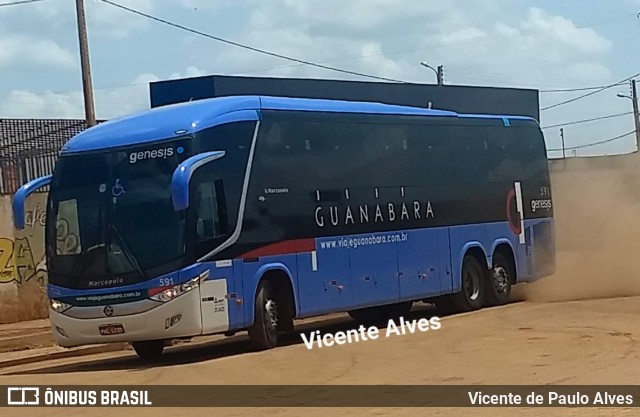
(163, 153)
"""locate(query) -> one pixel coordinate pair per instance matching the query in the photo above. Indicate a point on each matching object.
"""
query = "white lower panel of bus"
(181, 317)
(215, 312)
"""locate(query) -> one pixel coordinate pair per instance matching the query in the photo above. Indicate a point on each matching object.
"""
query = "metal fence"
(29, 148)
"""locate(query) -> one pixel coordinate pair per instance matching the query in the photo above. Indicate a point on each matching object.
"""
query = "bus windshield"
(114, 217)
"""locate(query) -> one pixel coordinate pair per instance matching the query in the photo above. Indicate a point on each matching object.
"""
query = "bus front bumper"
(177, 318)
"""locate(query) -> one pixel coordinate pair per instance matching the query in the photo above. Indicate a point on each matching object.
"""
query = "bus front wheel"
(263, 334)
(149, 349)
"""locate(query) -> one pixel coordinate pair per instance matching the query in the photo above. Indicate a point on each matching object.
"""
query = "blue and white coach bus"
(245, 213)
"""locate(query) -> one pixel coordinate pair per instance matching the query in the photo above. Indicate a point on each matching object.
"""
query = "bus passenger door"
(420, 256)
(374, 269)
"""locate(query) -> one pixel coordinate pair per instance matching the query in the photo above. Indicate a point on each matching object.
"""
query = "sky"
(545, 44)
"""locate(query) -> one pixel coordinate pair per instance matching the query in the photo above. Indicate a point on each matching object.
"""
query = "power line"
(570, 90)
(508, 83)
(588, 120)
(479, 38)
(589, 94)
(146, 83)
(15, 3)
(250, 48)
(595, 143)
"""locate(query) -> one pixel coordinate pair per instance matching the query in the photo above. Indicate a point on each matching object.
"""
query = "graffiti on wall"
(22, 253)
(18, 264)
(22, 257)
(67, 240)
(7, 270)
(35, 220)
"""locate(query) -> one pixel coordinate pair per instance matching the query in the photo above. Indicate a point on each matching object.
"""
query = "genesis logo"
(108, 311)
(163, 153)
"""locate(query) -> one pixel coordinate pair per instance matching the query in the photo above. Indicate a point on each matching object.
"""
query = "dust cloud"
(597, 217)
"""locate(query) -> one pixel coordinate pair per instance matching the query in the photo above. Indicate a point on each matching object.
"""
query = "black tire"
(149, 349)
(499, 281)
(381, 315)
(472, 294)
(263, 333)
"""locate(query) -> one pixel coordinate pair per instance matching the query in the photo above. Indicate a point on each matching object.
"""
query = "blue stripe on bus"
(348, 272)
(363, 270)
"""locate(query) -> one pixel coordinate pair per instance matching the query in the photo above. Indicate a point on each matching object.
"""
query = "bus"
(246, 213)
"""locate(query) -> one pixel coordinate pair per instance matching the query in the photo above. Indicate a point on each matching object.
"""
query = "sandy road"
(576, 342)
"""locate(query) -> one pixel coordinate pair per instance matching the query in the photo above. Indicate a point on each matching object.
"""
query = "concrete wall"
(22, 252)
(462, 99)
(624, 162)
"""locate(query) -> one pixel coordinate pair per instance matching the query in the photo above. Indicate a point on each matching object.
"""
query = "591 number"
(166, 282)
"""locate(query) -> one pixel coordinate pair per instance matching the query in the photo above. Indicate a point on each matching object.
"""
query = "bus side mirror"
(182, 177)
(21, 196)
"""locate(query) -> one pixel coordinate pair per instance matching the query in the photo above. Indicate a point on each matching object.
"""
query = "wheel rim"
(472, 285)
(271, 316)
(500, 279)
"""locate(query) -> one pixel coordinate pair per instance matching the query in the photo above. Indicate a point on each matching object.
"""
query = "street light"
(624, 96)
(438, 72)
(424, 64)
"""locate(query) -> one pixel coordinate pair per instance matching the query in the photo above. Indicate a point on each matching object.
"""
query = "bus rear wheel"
(149, 349)
(263, 334)
(472, 294)
(500, 280)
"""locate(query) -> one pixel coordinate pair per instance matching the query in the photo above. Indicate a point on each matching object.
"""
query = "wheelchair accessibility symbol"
(117, 190)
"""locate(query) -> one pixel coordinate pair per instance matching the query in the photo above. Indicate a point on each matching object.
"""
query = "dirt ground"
(576, 342)
(579, 326)
(30, 304)
(19, 338)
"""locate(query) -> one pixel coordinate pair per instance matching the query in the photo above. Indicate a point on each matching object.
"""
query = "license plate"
(111, 329)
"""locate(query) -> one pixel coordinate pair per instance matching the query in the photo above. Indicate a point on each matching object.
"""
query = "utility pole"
(564, 155)
(636, 116)
(440, 75)
(90, 113)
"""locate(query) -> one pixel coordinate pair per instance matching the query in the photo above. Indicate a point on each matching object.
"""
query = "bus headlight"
(59, 306)
(168, 294)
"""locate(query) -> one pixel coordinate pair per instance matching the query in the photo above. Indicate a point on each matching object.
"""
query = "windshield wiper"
(127, 251)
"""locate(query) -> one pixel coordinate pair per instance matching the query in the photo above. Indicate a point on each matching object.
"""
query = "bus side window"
(470, 152)
(336, 149)
(385, 148)
(210, 215)
(506, 164)
(428, 154)
(284, 149)
(530, 151)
